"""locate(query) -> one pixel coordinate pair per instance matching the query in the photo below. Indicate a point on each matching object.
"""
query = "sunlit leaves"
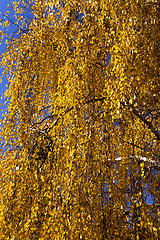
(80, 153)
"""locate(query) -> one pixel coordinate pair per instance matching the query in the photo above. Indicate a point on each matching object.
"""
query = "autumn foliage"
(81, 131)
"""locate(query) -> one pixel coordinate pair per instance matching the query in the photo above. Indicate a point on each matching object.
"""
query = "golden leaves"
(79, 138)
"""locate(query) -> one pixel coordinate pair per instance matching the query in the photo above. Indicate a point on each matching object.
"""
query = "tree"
(80, 137)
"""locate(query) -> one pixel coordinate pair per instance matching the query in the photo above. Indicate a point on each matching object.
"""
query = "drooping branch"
(149, 124)
(66, 111)
(142, 118)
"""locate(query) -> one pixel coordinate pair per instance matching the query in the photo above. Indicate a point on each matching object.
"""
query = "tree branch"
(142, 118)
(149, 124)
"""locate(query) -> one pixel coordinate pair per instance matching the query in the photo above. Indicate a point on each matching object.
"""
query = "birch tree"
(80, 136)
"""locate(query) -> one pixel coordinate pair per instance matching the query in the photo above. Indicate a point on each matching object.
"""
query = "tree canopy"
(80, 136)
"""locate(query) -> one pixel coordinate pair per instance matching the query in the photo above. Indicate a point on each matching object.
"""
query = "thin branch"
(132, 144)
(143, 159)
(142, 118)
(149, 124)
(24, 31)
(66, 111)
